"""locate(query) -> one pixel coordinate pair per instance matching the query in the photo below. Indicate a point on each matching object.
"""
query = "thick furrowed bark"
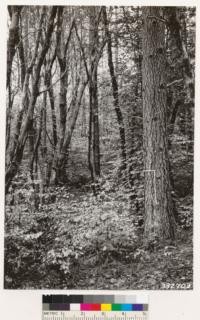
(159, 215)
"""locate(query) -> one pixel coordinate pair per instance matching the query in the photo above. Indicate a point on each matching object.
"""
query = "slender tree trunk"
(35, 151)
(53, 113)
(63, 104)
(60, 168)
(43, 143)
(94, 149)
(159, 215)
(115, 91)
(8, 116)
(34, 158)
(116, 42)
(60, 171)
(83, 129)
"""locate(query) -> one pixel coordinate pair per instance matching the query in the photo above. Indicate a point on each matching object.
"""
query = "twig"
(157, 18)
(174, 82)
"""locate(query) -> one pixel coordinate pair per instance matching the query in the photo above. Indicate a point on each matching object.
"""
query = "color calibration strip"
(94, 307)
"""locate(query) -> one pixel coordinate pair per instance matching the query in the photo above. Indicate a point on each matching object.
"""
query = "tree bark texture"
(159, 216)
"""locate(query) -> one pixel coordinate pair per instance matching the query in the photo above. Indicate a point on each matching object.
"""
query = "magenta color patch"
(85, 307)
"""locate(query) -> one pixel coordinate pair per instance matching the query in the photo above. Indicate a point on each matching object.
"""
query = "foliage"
(93, 242)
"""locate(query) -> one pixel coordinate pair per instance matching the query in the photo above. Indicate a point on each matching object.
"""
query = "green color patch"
(116, 307)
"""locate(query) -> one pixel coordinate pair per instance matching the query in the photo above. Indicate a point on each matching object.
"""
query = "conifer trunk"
(159, 216)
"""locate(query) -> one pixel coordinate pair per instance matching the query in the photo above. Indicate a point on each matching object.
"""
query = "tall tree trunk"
(43, 142)
(60, 172)
(159, 216)
(115, 91)
(94, 149)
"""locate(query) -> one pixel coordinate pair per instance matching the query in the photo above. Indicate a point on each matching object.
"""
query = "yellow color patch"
(106, 307)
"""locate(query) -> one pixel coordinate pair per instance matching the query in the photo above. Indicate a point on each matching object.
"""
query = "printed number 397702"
(175, 286)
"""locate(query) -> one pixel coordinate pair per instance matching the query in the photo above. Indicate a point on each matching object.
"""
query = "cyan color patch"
(126, 307)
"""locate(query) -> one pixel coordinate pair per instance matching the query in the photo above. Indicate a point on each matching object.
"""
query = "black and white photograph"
(100, 105)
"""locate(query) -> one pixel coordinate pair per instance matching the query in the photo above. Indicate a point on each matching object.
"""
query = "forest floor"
(86, 242)
(80, 241)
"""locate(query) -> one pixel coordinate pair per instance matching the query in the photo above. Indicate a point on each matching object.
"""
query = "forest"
(99, 147)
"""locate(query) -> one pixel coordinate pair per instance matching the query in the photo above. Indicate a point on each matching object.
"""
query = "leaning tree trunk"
(159, 217)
